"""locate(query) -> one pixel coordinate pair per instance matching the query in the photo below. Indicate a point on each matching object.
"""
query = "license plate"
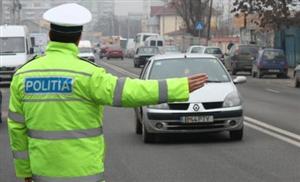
(198, 119)
(274, 71)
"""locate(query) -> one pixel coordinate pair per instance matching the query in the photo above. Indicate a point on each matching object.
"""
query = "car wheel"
(122, 58)
(236, 134)
(134, 64)
(296, 83)
(259, 74)
(108, 58)
(281, 75)
(253, 74)
(233, 72)
(138, 126)
(147, 137)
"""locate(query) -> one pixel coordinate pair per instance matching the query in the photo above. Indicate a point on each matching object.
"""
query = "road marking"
(273, 128)
(273, 134)
(273, 91)
(268, 129)
(118, 69)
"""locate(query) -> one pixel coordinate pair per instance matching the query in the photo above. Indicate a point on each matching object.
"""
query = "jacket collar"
(65, 48)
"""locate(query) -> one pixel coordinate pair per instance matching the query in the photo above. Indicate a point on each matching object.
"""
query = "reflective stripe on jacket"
(56, 109)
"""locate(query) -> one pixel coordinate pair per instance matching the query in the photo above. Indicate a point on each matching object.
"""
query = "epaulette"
(94, 64)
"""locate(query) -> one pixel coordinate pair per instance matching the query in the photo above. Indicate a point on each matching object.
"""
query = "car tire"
(108, 58)
(147, 137)
(296, 83)
(253, 74)
(233, 72)
(236, 135)
(138, 126)
(122, 58)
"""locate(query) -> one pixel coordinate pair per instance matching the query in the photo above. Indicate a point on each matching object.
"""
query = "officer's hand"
(28, 179)
(197, 81)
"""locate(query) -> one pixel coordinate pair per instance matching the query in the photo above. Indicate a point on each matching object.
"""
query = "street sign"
(199, 25)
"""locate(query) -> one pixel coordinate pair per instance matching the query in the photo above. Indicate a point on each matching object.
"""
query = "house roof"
(163, 10)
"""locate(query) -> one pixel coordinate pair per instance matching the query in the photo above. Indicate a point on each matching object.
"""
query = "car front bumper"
(164, 122)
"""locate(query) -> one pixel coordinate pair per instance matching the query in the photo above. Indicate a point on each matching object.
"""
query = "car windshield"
(148, 50)
(171, 49)
(173, 68)
(197, 50)
(273, 54)
(249, 50)
(12, 45)
(85, 50)
(213, 51)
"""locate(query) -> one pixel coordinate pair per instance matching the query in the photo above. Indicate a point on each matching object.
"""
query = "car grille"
(179, 106)
(212, 105)
(195, 126)
(7, 68)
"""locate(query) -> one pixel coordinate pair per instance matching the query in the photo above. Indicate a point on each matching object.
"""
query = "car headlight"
(233, 99)
(159, 106)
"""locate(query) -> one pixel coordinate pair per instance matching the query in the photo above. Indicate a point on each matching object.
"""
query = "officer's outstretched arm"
(18, 133)
(126, 92)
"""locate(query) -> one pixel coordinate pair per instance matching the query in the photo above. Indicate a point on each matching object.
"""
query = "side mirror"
(240, 80)
(31, 50)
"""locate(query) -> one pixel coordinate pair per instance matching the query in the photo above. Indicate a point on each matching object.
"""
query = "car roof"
(181, 55)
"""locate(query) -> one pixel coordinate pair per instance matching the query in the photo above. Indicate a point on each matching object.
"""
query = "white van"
(15, 49)
(86, 50)
(155, 41)
(141, 38)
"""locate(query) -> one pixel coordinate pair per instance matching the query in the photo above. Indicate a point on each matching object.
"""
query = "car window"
(144, 70)
(183, 67)
(152, 43)
(197, 50)
(213, 51)
(272, 54)
(159, 43)
(248, 50)
(12, 45)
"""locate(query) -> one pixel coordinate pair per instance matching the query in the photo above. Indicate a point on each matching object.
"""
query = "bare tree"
(272, 13)
(191, 12)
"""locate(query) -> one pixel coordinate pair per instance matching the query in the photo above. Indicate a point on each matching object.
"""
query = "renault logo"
(196, 107)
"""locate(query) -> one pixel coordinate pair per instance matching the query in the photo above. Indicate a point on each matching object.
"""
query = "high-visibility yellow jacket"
(56, 109)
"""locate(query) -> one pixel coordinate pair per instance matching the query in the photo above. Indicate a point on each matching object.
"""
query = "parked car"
(270, 62)
(216, 107)
(86, 50)
(195, 49)
(143, 54)
(114, 52)
(297, 77)
(216, 51)
(170, 50)
(240, 58)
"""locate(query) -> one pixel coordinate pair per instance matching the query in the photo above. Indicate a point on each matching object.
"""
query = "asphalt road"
(268, 153)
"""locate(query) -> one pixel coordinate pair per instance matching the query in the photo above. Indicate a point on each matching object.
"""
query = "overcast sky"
(122, 7)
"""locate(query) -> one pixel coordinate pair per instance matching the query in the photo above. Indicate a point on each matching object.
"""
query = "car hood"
(86, 54)
(212, 92)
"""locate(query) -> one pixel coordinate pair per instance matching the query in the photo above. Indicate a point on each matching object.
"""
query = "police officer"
(56, 105)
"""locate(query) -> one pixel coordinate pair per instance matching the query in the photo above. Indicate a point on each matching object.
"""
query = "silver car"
(216, 51)
(214, 108)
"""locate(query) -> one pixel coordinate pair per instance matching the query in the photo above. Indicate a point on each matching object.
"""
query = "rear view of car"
(217, 52)
(241, 57)
(143, 54)
(114, 52)
(270, 62)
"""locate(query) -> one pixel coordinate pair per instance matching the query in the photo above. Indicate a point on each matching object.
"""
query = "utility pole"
(209, 21)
